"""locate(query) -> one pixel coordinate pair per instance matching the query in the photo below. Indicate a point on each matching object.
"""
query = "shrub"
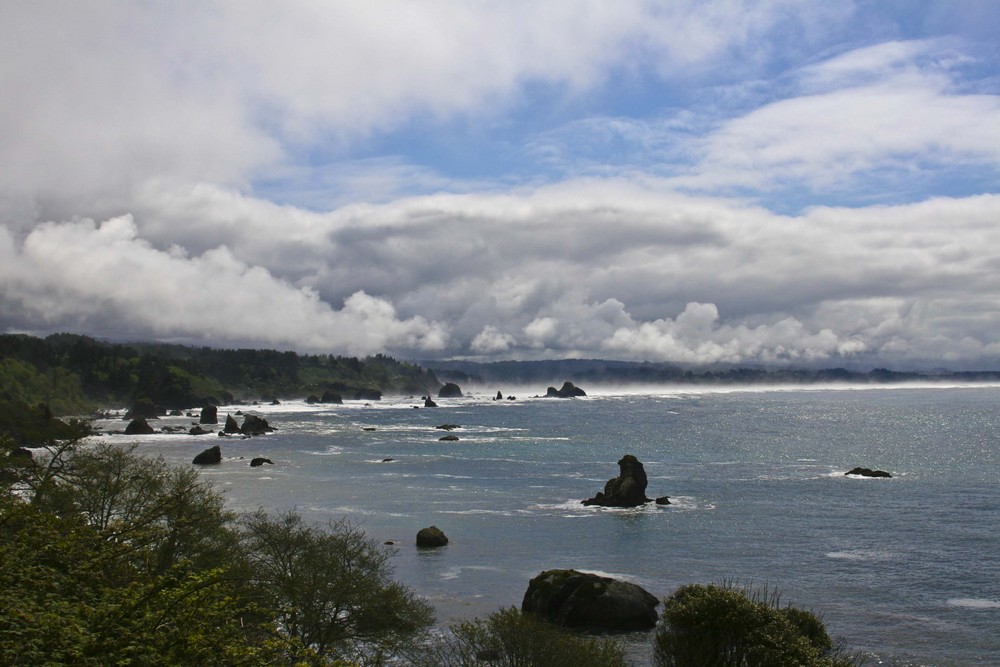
(722, 626)
(509, 638)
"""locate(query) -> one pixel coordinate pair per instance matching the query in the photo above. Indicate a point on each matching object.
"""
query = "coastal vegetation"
(75, 375)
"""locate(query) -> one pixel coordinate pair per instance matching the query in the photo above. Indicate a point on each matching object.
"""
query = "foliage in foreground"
(111, 558)
(508, 638)
(723, 626)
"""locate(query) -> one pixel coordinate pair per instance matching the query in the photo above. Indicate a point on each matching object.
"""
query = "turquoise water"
(905, 570)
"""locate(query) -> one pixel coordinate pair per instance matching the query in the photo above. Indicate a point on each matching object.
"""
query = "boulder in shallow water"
(583, 600)
(259, 461)
(139, 426)
(431, 537)
(429, 402)
(231, 425)
(626, 490)
(867, 472)
(210, 456)
(254, 425)
(209, 415)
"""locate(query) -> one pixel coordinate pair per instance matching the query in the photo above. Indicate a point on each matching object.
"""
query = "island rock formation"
(568, 390)
(867, 472)
(209, 415)
(626, 490)
(431, 537)
(588, 601)
(210, 456)
(450, 390)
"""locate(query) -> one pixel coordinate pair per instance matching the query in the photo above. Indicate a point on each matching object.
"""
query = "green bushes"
(111, 558)
(722, 626)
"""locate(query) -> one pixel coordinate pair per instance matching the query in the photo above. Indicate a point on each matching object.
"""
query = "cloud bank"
(722, 182)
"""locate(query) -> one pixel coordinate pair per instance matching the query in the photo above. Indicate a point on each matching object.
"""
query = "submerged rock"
(626, 490)
(867, 472)
(588, 601)
(431, 537)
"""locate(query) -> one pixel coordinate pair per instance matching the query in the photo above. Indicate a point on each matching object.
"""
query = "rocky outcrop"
(431, 537)
(867, 472)
(259, 461)
(231, 425)
(626, 490)
(448, 438)
(498, 397)
(312, 399)
(568, 390)
(209, 415)
(331, 397)
(210, 456)
(588, 601)
(429, 402)
(198, 430)
(447, 427)
(139, 426)
(254, 425)
(450, 390)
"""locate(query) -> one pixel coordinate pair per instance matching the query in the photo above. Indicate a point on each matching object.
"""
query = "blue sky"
(776, 182)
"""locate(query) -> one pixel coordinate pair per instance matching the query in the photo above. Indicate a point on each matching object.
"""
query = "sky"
(772, 182)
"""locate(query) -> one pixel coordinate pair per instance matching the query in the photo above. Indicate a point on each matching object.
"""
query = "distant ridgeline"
(587, 372)
(75, 375)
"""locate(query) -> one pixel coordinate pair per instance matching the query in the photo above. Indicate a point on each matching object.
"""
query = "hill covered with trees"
(75, 374)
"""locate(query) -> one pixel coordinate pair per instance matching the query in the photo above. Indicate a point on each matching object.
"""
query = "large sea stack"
(626, 490)
(568, 390)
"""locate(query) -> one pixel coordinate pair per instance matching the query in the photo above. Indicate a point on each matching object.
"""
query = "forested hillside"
(75, 375)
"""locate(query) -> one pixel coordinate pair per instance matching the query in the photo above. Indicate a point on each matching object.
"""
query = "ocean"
(904, 570)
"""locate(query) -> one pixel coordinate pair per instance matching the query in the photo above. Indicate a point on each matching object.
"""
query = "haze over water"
(906, 570)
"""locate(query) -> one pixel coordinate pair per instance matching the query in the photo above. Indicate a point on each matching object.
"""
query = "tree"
(722, 626)
(332, 589)
(509, 638)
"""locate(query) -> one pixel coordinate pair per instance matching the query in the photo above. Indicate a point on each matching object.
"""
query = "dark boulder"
(867, 472)
(447, 427)
(259, 461)
(431, 537)
(626, 490)
(498, 397)
(312, 399)
(331, 397)
(568, 390)
(429, 402)
(210, 456)
(139, 426)
(450, 390)
(198, 430)
(588, 601)
(254, 425)
(231, 425)
(663, 500)
(209, 415)
(448, 438)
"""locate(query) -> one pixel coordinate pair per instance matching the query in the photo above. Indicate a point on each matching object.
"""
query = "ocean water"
(904, 570)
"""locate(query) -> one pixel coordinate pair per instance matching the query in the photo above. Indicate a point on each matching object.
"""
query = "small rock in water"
(431, 537)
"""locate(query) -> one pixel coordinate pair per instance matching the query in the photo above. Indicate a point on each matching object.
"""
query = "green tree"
(723, 626)
(333, 589)
(508, 638)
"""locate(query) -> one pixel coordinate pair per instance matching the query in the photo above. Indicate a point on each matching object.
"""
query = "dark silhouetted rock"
(209, 415)
(450, 390)
(431, 537)
(587, 601)
(498, 397)
(210, 456)
(867, 472)
(254, 425)
(312, 399)
(139, 426)
(198, 430)
(449, 438)
(626, 490)
(663, 500)
(568, 390)
(448, 427)
(331, 397)
(231, 425)
(429, 402)
(259, 461)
